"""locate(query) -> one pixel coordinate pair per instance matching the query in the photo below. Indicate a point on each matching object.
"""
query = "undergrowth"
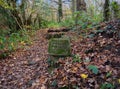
(10, 42)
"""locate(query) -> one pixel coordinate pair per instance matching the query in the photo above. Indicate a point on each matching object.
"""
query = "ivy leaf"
(77, 58)
(93, 68)
(107, 86)
(54, 83)
(103, 86)
(108, 74)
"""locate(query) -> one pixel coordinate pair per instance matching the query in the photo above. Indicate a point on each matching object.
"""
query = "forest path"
(26, 69)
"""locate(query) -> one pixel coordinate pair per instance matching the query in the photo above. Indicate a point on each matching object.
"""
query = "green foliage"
(54, 83)
(51, 61)
(4, 55)
(83, 20)
(108, 74)
(14, 41)
(77, 58)
(107, 86)
(91, 35)
(18, 17)
(53, 24)
(4, 4)
(93, 68)
(115, 7)
(6, 19)
(2, 41)
(68, 22)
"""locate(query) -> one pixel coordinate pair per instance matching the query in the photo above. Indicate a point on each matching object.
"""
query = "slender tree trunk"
(106, 13)
(22, 8)
(80, 7)
(60, 13)
(73, 6)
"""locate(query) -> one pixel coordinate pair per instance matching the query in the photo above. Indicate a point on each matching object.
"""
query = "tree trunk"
(80, 5)
(22, 8)
(73, 7)
(15, 14)
(17, 19)
(106, 13)
(60, 13)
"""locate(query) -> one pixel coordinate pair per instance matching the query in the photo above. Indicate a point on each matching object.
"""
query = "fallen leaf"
(83, 76)
(119, 81)
(43, 87)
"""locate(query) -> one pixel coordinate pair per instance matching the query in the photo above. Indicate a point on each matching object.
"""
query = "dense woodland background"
(93, 27)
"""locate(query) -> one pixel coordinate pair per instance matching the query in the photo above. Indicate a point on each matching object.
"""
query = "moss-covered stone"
(59, 47)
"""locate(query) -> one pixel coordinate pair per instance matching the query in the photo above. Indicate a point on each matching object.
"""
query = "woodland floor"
(28, 68)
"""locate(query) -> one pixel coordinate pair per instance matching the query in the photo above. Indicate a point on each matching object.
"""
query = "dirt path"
(27, 68)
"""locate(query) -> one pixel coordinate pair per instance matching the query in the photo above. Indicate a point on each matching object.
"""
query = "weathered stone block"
(59, 47)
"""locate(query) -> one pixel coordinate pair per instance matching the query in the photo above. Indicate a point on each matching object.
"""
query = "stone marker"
(59, 47)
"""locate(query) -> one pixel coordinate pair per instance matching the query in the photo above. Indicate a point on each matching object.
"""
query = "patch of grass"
(53, 24)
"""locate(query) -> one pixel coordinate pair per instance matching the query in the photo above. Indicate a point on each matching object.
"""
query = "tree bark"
(80, 5)
(60, 13)
(15, 14)
(106, 13)
(73, 6)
